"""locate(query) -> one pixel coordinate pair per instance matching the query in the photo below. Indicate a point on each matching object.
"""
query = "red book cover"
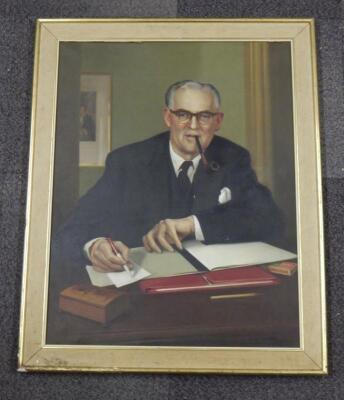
(220, 279)
(174, 284)
(243, 276)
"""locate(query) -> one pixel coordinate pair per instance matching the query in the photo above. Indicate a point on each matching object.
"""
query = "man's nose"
(193, 122)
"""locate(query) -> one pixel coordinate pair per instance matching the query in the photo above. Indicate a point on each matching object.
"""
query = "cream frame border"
(311, 357)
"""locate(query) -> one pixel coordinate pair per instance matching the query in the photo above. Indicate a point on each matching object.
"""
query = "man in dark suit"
(160, 191)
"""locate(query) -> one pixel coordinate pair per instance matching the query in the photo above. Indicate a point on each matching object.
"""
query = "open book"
(216, 256)
(194, 256)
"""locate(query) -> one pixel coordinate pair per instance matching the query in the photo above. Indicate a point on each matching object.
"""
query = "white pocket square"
(225, 195)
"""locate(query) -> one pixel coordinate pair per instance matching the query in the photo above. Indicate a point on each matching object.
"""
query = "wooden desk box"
(97, 304)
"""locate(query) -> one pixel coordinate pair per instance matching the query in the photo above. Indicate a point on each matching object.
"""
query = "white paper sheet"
(118, 279)
(238, 254)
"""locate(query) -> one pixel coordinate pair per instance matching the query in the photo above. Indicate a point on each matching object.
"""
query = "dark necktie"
(183, 179)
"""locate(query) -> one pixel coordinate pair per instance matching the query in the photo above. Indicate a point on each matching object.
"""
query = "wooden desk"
(268, 318)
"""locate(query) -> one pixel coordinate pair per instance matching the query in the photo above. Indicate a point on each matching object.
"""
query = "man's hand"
(103, 258)
(168, 232)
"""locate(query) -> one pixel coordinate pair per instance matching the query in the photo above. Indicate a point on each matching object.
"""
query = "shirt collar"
(177, 160)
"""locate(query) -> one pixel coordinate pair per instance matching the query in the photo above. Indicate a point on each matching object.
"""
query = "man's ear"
(167, 117)
(218, 120)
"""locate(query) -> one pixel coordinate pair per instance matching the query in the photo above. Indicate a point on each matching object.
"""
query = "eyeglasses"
(203, 117)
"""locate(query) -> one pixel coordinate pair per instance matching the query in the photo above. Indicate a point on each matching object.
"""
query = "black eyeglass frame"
(191, 115)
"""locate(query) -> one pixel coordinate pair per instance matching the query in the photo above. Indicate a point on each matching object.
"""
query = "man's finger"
(122, 249)
(100, 266)
(107, 270)
(103, 257)
(151, 242)
(114, 260)
(101, 260)
(121, 256)
(172, 233)
(161, 238)
(104, 253)
(145, 243)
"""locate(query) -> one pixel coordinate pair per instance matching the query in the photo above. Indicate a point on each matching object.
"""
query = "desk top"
(266, 317)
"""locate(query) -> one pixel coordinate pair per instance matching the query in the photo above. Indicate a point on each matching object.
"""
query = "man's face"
(183, 134)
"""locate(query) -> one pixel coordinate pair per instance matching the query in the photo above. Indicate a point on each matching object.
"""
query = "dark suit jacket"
(133, 195)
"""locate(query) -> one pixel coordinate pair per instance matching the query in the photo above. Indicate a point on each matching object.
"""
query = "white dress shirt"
(177, 162)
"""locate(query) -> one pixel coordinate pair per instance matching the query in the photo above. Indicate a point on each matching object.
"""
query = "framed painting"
(95, 103)
(197, 243)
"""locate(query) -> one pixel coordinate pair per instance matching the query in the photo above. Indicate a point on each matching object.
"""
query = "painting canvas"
(133, 261)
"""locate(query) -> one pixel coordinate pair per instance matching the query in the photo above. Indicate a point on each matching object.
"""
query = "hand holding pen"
(118, 254)
(107, 255)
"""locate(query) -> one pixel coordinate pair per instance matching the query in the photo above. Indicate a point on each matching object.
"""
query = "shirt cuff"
(198, 230)
(88, 245)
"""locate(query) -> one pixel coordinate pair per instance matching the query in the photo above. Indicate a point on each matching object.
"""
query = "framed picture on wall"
(95, 119)
(197, 245)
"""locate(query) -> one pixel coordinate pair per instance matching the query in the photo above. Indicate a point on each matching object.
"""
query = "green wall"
(141, 72)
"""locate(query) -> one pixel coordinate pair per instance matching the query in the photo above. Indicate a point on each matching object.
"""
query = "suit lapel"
(206, 187)
(155, 176)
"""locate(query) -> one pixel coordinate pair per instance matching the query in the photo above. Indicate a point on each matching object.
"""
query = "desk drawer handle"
(234, 296)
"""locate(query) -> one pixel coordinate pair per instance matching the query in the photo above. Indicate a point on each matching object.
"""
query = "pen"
(116, 253)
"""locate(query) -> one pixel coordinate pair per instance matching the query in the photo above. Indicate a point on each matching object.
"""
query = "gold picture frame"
(310, 355)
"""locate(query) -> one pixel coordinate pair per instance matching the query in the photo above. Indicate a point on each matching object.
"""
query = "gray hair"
(190, 84)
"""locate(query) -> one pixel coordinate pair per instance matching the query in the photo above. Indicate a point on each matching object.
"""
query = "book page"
(236, 254)
(161, 264)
